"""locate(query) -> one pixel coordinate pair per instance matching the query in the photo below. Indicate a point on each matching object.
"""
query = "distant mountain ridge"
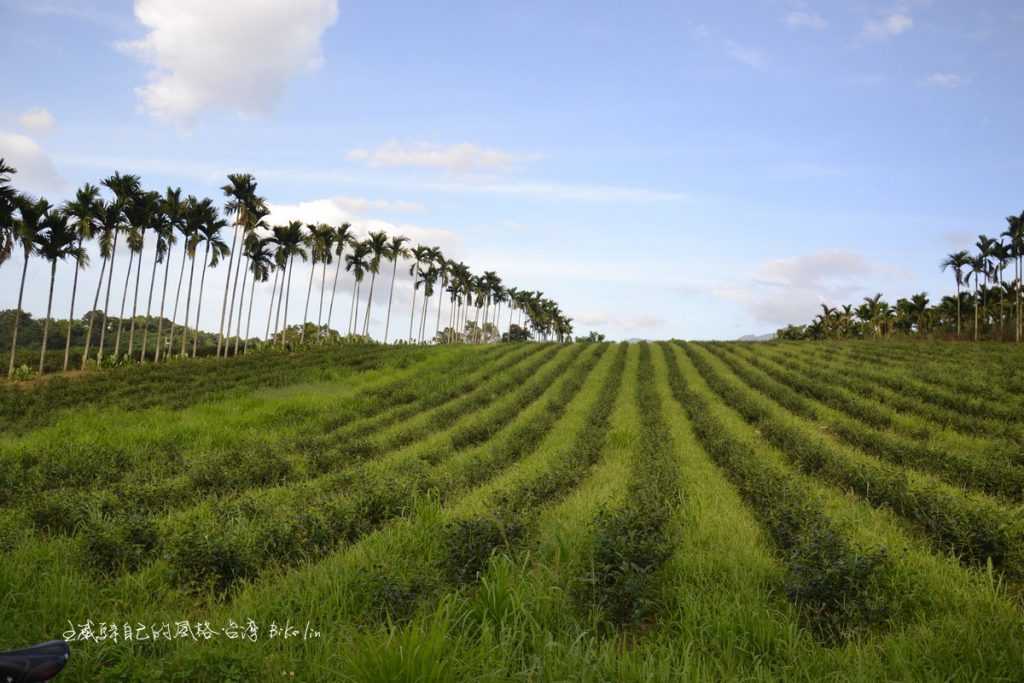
(757, 337)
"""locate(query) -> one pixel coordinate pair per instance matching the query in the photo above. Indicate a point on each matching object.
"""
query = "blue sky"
(697, 170)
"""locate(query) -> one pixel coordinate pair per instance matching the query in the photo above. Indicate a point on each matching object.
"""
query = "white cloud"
(589, 193)
(809, 20)
(791, 290)
(626, 323)
(753, 58)
(232, 54)
(333, 212)
(888, 25)
(38, 121)
(945, 80)
(745, 55)
(360, 205)
(36, 172)
(460, 157)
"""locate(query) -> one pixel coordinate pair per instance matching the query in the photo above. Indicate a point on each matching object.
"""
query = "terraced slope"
(669, 511)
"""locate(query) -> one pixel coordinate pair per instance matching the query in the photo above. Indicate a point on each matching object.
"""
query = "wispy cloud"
(542, 190)
(38, 120)
(888, 25)
(209, 172)
(945, 80)
(752, 57)
(806, 20)
(744, 54)
(459, 157)
(86, 10)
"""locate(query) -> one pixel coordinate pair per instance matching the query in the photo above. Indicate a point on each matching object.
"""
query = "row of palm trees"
(987, 267)
(994, 304)
(256, 254)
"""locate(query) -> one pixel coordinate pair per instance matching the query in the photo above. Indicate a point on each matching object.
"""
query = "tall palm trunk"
(17, 317)
(1002, 310)
(241, 306)
(124, 300)
(270, 310)
(284, 332)
(163, 300)
(1019, 275)
(149, 304)
(958, 309)
(227, 286)
(106, 302)
(440, 305)
(135, 301)
(975, 308)
(71, 314)
(248, 321)
(369, 301)
(305, 313)
(199, 303)
(92, 314)
(355, 311)
(188, 303)
(234, 290)
(177, 298)
(334, 291)
(280, 303)
(391, 296)
(412, 312)
(423, 317)
(46, 322)
(320, 312)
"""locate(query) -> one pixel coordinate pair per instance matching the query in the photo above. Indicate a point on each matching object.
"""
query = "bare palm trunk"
(106, 302)
(391, 296)
(227, 283)
(958, 309)
(284, 332)
(17, 317)
(188, 304)
(369, 301)
(234, 290)
(149, 304)
(273, 293)
(92, 314)
(412, 312)
(423, 318)
(163, 300)
(1019, 275)
(71, 314)
(177, 298)
(124, 300)
(46, 322)
(320, 312)
(305, 313)
(199, 303)
(334, 292)
(248, 322)
(440, 305)
(241, 306)
(135, 300)
(975, 309)
(355, 312)
(280, 303)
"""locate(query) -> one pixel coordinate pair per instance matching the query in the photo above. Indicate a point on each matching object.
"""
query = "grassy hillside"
(666, 511)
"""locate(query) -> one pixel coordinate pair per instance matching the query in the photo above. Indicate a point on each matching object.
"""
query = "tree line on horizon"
(256, 254)
(994, 304)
